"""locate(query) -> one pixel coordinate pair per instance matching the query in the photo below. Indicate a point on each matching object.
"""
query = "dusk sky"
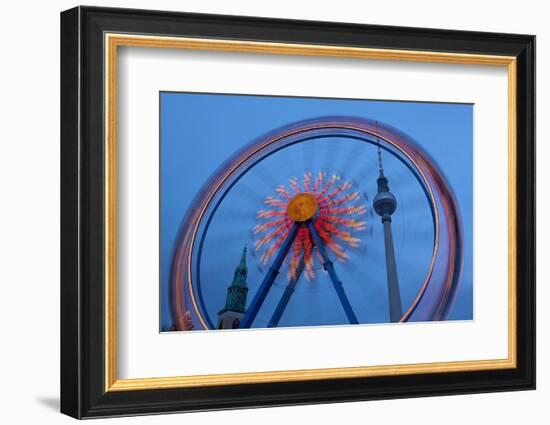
(200, 131)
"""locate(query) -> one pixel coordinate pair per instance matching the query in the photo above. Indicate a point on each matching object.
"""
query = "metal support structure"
(269, 278)
(329, 267)
(283, 302)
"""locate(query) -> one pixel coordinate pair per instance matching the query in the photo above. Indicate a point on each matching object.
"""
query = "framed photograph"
(261, 212)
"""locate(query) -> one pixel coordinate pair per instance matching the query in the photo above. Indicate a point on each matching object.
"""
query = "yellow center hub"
(302, 207)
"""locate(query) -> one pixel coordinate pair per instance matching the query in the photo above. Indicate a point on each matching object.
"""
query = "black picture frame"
(83, 392)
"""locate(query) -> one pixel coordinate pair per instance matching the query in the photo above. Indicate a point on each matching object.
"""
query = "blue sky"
(200, 131)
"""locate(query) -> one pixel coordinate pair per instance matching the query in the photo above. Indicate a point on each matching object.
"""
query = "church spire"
(238, 290)
(241, 271)
(242, 264)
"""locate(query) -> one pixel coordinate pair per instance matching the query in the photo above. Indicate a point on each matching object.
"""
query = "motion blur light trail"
(333, 219)
(334, 206)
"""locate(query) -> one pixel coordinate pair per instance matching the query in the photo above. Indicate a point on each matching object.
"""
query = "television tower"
(385, 204)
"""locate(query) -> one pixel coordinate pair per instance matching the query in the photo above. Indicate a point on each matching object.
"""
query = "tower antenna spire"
(380, 167)
(385, 204)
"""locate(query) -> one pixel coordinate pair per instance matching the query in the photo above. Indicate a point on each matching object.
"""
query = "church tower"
(235, 304)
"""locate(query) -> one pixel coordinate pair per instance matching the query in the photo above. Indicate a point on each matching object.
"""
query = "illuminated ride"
(316, 222)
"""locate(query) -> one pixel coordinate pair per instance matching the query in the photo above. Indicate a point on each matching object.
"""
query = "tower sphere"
(384, 203)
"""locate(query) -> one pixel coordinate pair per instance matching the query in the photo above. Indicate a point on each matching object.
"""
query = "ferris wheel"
(336, 220)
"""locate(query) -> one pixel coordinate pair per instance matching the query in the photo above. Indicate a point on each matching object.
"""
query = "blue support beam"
(269, 278)
(283, 302)
(329, 267)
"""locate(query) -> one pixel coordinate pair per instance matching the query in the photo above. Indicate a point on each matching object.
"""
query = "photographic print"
(281, 211)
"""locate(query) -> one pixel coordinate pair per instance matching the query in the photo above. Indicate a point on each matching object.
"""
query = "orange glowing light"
(331, 205)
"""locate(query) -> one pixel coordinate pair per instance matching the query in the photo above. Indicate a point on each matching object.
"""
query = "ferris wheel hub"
(302, 207)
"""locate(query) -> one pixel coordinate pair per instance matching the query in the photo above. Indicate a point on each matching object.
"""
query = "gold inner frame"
(112, 41)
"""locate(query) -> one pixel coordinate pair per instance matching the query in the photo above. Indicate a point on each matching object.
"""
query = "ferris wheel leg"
(329, 267)
(289, 290)
(269, 278)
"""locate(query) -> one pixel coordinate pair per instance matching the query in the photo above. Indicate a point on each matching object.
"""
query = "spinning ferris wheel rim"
(238, 164)
(195, 218)
(197, 299)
